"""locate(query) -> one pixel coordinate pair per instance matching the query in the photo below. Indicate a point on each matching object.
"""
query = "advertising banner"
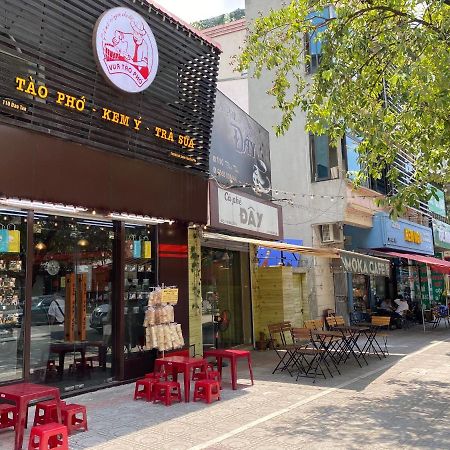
(240, 153)
(441, 233)
(437, 205)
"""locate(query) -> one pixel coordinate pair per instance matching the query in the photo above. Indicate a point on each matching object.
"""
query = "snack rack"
(162, 332)
(11, 287)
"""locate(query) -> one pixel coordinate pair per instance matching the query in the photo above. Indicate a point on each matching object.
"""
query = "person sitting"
(402, 305)
(386, 304)
(387, 309)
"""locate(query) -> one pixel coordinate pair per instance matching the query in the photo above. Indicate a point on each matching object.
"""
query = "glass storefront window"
(360, 292)
(140, 277)
(71, 331)
(13, 240)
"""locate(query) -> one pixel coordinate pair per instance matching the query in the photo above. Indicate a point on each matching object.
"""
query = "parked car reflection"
(39, 309)
(100, 317)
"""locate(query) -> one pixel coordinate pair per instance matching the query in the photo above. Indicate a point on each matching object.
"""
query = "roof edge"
(226, 28)
(185, 24)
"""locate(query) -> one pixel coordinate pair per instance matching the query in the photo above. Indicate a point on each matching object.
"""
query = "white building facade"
(310, 180)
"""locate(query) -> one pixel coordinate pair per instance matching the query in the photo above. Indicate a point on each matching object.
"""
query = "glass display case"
(13, 239)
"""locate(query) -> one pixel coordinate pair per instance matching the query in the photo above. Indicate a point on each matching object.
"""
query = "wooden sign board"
(69, 313)
(81, 310)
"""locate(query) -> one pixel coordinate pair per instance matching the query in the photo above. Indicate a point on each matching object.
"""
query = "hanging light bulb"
(40, 246)
(83, 242)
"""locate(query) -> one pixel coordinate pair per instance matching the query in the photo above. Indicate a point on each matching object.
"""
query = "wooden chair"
(308, 357)
(335, 321)
(280, 335)
(316, 324)
(381, 322)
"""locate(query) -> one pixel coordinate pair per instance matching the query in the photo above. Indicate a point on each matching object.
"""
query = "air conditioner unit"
(331, 232)
(326, 233)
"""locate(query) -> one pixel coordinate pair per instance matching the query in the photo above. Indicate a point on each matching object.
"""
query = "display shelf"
(162, 332)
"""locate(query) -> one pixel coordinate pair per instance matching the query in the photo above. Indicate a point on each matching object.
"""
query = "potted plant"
(262, 343)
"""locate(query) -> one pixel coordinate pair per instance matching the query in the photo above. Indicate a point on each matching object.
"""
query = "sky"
(192, 10)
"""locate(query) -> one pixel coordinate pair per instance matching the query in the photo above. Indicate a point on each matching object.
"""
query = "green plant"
(195, 268)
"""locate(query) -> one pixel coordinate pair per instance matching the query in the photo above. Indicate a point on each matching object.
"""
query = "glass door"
(71, 343)
(222, 298)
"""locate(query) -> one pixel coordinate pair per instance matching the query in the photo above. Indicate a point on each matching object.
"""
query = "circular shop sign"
(125, 49)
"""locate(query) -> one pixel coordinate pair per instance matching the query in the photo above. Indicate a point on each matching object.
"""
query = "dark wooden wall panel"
(39, 167)
(50, 40)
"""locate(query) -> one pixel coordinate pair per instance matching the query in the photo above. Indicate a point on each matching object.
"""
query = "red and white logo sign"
(125, 49)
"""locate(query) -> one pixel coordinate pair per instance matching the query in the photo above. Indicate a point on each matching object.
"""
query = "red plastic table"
(233, 356)
(23, 393)
(182, 364)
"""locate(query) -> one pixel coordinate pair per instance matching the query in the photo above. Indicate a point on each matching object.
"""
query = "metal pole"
(421, 297)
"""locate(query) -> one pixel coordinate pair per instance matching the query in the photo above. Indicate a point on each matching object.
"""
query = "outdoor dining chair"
(440, 313)
(308, 356)
(335, 321)
(280, 336)
(381, 322)
(316, 324)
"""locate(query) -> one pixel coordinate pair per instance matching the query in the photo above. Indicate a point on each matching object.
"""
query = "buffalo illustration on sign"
(125, 49)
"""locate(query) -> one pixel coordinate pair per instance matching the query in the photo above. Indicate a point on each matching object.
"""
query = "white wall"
(291, 172)
(233, 84)
(290, 159)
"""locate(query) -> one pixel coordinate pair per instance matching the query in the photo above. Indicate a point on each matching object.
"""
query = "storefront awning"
(439, 265)
(311, 251)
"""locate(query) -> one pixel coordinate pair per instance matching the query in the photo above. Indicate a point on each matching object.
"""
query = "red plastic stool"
(74, 417)
(147, 385)
(198, 372)
(50, 436)
(8, 416)
(157, 376)
(214, 375)
(208, 390)
(46, 412)
(166, 391)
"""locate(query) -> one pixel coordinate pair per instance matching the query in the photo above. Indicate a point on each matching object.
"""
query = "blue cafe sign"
(395, 235)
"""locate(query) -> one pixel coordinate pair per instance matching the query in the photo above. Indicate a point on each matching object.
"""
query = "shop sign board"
(365, 265)
(398, 234)
(239, 212)
(104, 87)
(125, 50)
(240, 151)
(437, 205)
(441, 233)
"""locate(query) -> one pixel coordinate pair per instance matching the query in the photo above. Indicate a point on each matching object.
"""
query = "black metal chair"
(280, 336)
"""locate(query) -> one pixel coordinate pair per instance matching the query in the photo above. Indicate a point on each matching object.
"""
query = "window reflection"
(13, 239)
(140, 277)
(71, 301)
